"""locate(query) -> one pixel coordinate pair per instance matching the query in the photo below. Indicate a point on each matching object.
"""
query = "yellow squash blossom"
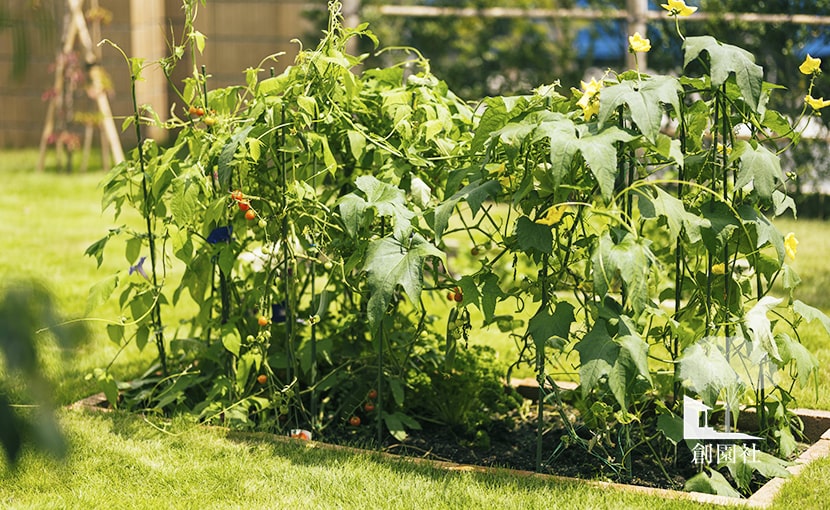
(719, 269)
(678, 8)
(589, 102)
(790, 244)
(638, 44)
(810, 65)
(816, 104)
(553, 215)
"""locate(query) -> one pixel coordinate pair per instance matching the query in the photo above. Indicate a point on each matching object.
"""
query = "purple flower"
(139, 268)
(220, 235)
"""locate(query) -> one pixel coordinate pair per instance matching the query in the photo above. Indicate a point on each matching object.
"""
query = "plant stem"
(158, 329)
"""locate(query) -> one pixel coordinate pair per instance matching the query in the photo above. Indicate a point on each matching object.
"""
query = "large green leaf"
(597, 354)
(599, 148)
(645, 99)
(810, 314)
(532, 236)
(704, 368)
(713, 483)
(387, 200)
(631, 363)
(186, 202)
(546, 326)
(725, 59)
(759, 166)
(561, 131)
(743, 462)
(657, 203)
(628, 260)
(806, 363)
(722, 225)
(760, 326)
(391, 262)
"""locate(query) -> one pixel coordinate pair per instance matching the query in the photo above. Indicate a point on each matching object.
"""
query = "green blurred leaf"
(101, 292)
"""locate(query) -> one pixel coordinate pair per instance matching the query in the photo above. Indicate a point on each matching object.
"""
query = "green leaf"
(357, 143)
(387, 200)
(597, 354)
(759, 166)
(397, 424)
(671, 426)
(811, 314)
(185, 204)
(725, 59)
(657, 203)
(760, 326)
(629, 260)
(645, 99)
(532, 236)
(806, 363)
(706, 371)
(743, 462)
(108, 385)
(101, 292)
(631, 363)
(133, 249)
(115, 332)
(722, 225)
(397, 391)
(562, 135)
(227, 155)
(231, 339)
(320, 144)
(199, 40)
(391, 262)
(556, 326)
(494, 117)
(600, 152)
(713, 483)
(474, 193)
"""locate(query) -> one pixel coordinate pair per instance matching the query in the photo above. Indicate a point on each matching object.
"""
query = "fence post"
(637, 17)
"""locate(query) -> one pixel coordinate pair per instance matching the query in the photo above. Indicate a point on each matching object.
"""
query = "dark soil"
(511, 443)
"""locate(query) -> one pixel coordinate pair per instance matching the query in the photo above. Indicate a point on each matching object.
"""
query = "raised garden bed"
(440, 448)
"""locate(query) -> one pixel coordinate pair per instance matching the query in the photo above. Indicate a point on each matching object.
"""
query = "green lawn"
(119, 460)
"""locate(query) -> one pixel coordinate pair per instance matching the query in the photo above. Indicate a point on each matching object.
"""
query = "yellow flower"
(678, 8)
(638, 44)
(553, 215)
(719, 269)
(816, 104)
(790, 244)
(810, 65)
(589, 102)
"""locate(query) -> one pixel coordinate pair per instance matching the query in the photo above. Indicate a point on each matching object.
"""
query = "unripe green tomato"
(262, 223)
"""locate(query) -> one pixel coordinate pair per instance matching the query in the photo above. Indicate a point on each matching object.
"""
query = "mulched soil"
(512, 445)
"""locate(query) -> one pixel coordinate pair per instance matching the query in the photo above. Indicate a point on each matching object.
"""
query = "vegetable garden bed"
(439, 448)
